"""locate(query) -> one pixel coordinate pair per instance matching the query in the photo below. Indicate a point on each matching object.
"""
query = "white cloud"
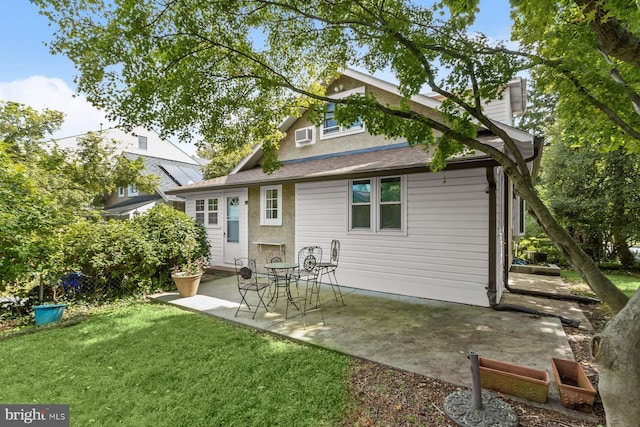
(53, 93)
(42, 92)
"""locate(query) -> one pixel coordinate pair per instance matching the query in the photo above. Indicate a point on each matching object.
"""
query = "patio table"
(286, 269)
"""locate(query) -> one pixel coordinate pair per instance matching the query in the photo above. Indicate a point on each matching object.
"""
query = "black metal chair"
(329, 269)
(308, 259)
(248, 282)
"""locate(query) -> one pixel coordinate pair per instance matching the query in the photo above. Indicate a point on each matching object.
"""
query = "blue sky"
(29, 74)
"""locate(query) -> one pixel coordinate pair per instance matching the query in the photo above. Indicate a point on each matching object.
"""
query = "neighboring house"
(173, 166)
(402, 228)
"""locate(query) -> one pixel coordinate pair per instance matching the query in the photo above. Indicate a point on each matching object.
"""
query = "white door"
(233, 228)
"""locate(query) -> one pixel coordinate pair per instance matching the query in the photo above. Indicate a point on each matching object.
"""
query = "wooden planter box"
(576, 390)
(519, 381)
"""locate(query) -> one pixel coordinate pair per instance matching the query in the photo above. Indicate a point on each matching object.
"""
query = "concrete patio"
(427, 337)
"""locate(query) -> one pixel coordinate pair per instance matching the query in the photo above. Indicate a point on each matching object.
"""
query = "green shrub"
(540, 244)
(132, 257)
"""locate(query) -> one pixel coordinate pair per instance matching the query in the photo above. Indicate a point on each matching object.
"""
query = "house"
(403, 229)
(173, 166)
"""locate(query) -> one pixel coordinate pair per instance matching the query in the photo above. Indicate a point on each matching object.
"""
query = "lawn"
(628, 283)
(153, 365)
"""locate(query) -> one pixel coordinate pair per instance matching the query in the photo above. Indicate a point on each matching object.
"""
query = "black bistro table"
(283, 271)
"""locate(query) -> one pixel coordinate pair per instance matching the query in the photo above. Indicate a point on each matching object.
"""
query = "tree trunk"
(617, 353)
(617, 350)
(573, 253)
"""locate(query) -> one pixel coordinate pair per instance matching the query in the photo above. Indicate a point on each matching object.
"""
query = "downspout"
(537, 151)
(491, 190)
(491, 287)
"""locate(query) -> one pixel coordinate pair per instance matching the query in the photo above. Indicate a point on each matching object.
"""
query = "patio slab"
(424, 336)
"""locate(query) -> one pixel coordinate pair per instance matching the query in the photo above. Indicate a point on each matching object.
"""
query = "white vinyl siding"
(215, 233)
(443, 254)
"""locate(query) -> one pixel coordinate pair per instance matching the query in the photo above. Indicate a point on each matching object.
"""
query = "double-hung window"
(377, 204)
(212, 211)
(207, 209)
(271, 205)
(133, 190)
(200, 211)
(331, 128)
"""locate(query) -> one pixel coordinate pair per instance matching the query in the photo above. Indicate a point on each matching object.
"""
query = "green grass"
(628, 283)
(153, 365)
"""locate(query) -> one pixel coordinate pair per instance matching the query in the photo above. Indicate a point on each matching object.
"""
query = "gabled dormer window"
(331, 128)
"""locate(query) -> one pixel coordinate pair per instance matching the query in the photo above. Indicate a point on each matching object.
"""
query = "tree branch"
(613, 37)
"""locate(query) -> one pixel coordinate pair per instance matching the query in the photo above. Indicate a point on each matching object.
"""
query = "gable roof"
(390, 159)
(128, 143)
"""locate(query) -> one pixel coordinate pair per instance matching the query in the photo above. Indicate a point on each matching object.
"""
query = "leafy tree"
(595, 194)
(222, 161)
(44, 189)
(237, 69)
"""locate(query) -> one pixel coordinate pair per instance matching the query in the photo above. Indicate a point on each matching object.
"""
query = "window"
(331, 128)
(200, 211)
(377, 204)
(522, 216)
(212, 211)
(271, 205)
(361, 204)
(120, 191)
(390, 203)
(142, 142)
(133, 190)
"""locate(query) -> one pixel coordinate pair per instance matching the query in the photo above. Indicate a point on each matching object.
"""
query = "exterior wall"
(272, 234)
(337, 144)
(443, 254)
(499, 109)
(215, 233)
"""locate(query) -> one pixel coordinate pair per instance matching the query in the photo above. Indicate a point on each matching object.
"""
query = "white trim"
(133, 190)
(375, 204)
(120, 191)
(263, 205)
(345, 93)
(209, 211)
(340, 130)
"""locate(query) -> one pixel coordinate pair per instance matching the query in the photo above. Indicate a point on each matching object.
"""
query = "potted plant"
(187, 276)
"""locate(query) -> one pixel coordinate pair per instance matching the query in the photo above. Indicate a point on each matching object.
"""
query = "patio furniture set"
(281, 276)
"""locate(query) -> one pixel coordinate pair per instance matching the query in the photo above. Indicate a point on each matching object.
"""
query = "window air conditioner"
(304, 136)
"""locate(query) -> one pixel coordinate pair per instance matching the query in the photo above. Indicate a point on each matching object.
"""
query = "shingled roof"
(378, 161)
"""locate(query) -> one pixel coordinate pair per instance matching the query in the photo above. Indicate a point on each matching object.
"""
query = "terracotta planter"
(519, 381)
(187, 285)
(576, 391)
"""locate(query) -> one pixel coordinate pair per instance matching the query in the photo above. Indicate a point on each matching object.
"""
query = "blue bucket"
(48, 313)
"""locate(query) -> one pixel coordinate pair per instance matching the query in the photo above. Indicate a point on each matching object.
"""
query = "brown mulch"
(384, 396)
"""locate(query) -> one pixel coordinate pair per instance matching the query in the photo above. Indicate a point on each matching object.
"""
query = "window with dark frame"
(361, 204)
(390, 203)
